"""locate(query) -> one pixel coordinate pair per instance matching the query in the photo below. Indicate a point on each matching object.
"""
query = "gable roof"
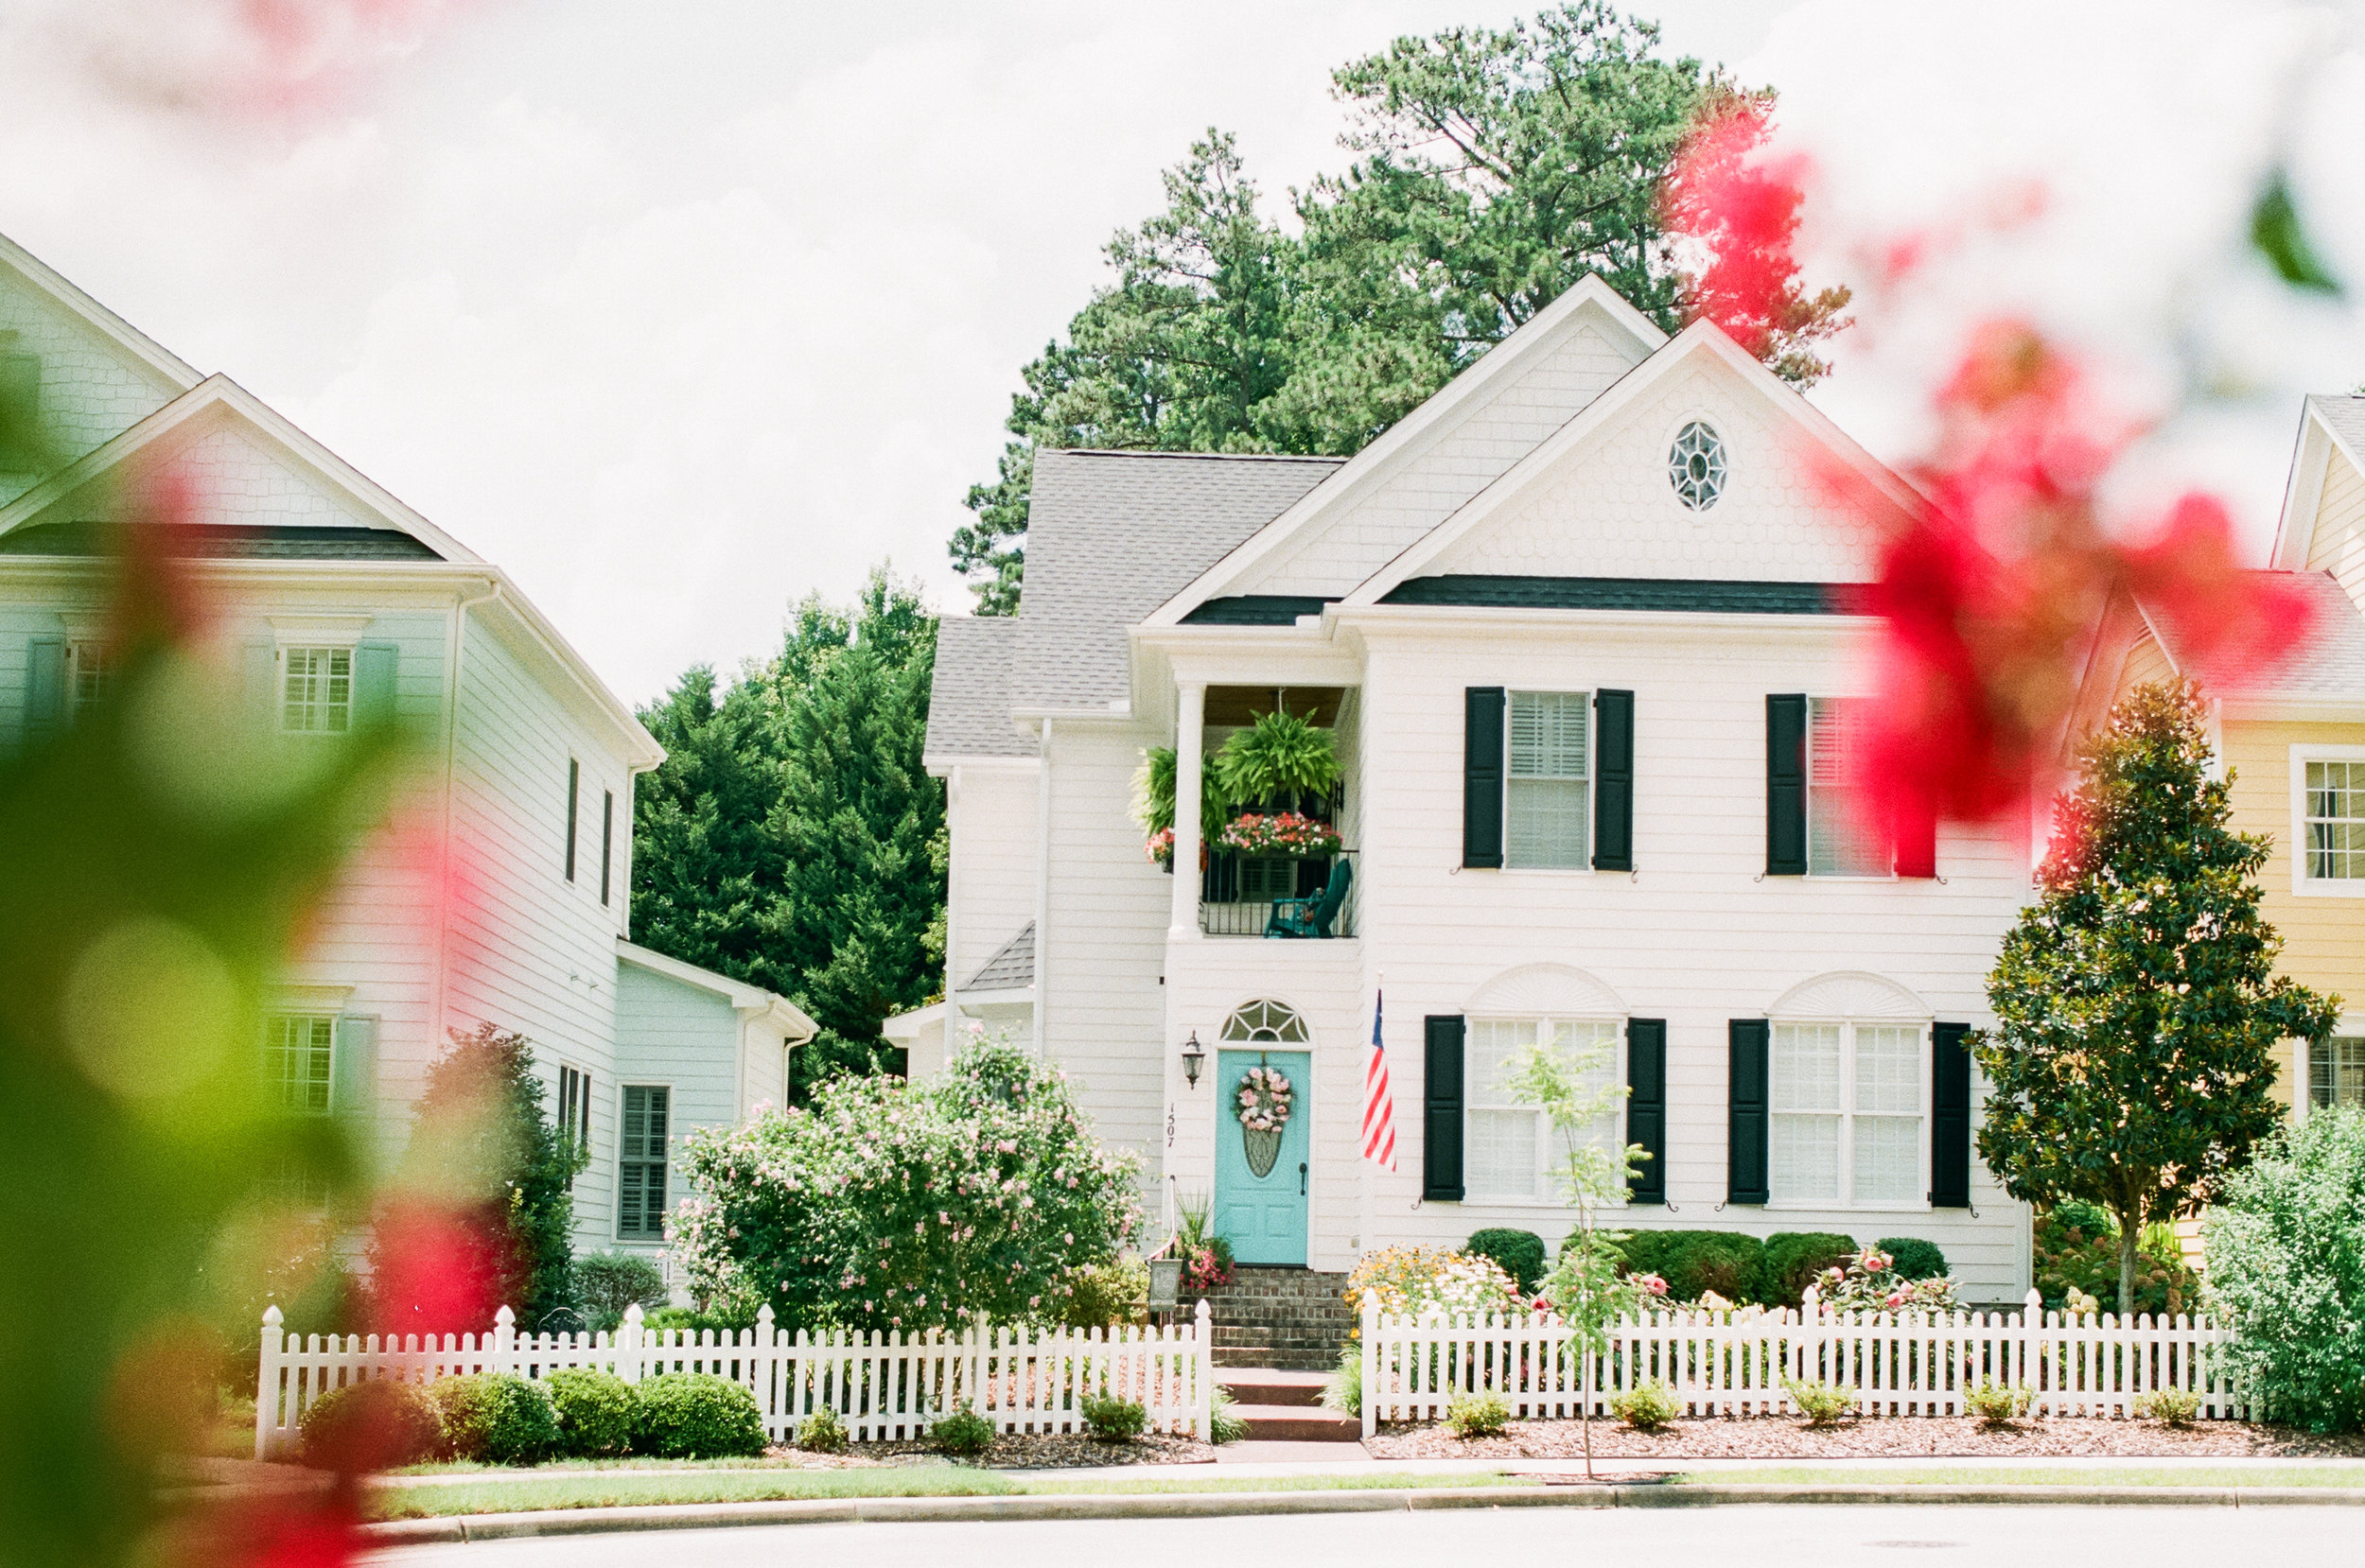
(1111, 536)
(1525, 477)
(1590, 301)
(744, 997)
(2328, 667)
(969, 700)
(2329, 423)
(169, 367)
(1010, 968)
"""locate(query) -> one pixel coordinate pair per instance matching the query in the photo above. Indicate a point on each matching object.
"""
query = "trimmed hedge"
(375, 1425)
(1913, 1259)
(1520, 1252)
(1695, 1261)
(497, 1419)
(698, 1416)
(595, 1411)
(1794, 1258)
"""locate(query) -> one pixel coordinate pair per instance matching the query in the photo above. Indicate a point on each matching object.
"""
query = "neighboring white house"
(340, 600)
(1572, 626)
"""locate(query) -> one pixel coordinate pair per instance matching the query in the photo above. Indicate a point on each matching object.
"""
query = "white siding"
(2339, 543)
(685, 1039)
(992, 811)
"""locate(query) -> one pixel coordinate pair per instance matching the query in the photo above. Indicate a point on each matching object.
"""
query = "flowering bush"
(2075, 1248)
(893, 1205)
(1264, 1099)
(1415, 1281)
(1206, 1266)
(1159, 846)
(1281, 833)
(1870, 1282)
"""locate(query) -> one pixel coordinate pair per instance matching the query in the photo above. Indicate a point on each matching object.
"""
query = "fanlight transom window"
(1265, 1023)
(1695, 466)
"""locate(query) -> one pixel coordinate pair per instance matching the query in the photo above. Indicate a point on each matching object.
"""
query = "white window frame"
(672, 1121)
(2349, 1026)
(1584, 825)
(2304, 885)
(1547, 1151)
(273, 1052)
(1845, 1198)
(284, 671)
(1807, 772)
(82, 652)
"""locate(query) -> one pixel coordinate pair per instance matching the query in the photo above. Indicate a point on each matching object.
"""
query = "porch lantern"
(1193, 1055)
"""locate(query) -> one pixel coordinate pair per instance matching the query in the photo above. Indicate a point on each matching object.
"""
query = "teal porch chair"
(1312, 917)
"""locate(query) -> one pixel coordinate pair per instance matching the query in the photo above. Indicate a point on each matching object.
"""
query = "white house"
(340, 600)
(1572, 627)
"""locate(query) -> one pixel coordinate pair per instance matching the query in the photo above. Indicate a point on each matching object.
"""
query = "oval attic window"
(1695, 466)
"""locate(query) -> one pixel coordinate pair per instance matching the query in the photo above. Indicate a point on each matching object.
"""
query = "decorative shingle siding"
(92, 390)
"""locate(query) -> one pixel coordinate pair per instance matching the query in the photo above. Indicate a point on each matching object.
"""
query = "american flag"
(1379, 1107)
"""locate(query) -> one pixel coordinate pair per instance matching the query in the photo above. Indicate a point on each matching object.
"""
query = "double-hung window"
(1509, 1149)
(316, 690)
(2335, 1071)
(87, 677)
(1847, 1113)
(2334, 844)
(1545, 781)
(641, 1170)
(1838, 842)
(298, 1049)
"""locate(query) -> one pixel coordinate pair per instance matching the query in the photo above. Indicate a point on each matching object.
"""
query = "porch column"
(1190, 723)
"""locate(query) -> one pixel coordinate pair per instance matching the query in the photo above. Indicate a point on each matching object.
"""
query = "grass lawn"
(2074, 1476)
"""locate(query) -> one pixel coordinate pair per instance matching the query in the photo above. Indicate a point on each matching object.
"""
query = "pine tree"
(2136, 999)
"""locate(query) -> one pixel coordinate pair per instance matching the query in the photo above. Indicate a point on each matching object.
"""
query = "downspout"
(441, 1011)
(1042, 881)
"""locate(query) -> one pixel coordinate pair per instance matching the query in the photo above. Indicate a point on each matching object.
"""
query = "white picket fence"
(884, 1386)
(1725, 1364)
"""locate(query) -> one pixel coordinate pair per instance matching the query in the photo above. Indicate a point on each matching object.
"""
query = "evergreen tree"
(1492, 169)
(2136, 999)
(786, 839)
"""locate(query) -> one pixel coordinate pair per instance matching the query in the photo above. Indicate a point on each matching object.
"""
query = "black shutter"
(574, 788)
(1482, 778)
(1613, 780)
(1441, 1105)
(1786, 786)
(1949, 1120)
(607, 838)
(1646, 1106)
(1744, 1156)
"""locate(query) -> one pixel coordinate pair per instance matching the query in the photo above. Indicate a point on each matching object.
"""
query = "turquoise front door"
(1263, 1216)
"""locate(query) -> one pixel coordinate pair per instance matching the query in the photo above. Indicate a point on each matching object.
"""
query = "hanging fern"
(1278, 755)
(1153, 796)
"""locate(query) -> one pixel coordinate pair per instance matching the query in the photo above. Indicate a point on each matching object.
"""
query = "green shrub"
(1413, 1282)
(1116, 1292)
(2287, 1272)
(608, 1283)
(1794, 1260)
(698, 1416)
(1910, 1258)
(1344, 1391)
(2169, 1406)
(1520, 1252)
(1225, 1424)
(964, 1433)
(1477, 1415)
(375, 1426)
(1822, 1403)
(1114, 1420)
(1998, 1403)
(596, 1411)
(1696, 1261)
(726, 1325)
(822, 1432)
(1647, 1406)
(2069, 1257)
(2094, 1219)
(496, 1418)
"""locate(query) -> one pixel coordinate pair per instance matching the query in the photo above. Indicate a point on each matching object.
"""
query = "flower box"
(1281, 834)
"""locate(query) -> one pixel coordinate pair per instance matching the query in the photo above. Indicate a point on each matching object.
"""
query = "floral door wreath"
(1263, 1099)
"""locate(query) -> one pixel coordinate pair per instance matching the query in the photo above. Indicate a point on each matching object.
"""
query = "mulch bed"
(1896, 1437)
(1060, 1450)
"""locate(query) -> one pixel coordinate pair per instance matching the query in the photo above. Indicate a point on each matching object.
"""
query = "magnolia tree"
(2137, 1006)
(887, 1204)
(1577, 1095)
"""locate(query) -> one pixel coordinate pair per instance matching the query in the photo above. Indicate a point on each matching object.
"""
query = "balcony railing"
(1248, 918)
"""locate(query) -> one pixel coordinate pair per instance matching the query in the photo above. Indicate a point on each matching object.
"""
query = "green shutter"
(259, 664)
(1613, 780)
(1646, 1106)
(375, 666)
(352, 1067)
(1441, 1105)
(1786, 786)
(1482, 782)
(44, 687)
(1745, 1154)
(1950, 1118)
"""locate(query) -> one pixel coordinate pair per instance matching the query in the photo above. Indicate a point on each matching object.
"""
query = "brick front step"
(1291, 1318)
(1272, 1385)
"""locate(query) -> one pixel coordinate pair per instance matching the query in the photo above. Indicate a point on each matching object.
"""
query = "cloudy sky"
(682, 311)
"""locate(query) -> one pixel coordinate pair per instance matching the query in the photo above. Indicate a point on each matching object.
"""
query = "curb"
(705, 1516)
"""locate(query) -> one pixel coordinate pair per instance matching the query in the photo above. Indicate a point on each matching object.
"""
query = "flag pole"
(1370, 1218)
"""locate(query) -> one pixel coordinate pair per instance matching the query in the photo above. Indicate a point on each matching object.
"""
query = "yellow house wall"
(2323, 939)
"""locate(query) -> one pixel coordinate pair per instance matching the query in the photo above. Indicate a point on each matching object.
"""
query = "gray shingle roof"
(1625, 593)
(969, 705)
(2331, 664)
(2344, 414)
(1009, 969)
(1112, 535)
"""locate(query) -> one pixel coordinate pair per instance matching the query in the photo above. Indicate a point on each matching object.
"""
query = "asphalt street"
(1793, 1536)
